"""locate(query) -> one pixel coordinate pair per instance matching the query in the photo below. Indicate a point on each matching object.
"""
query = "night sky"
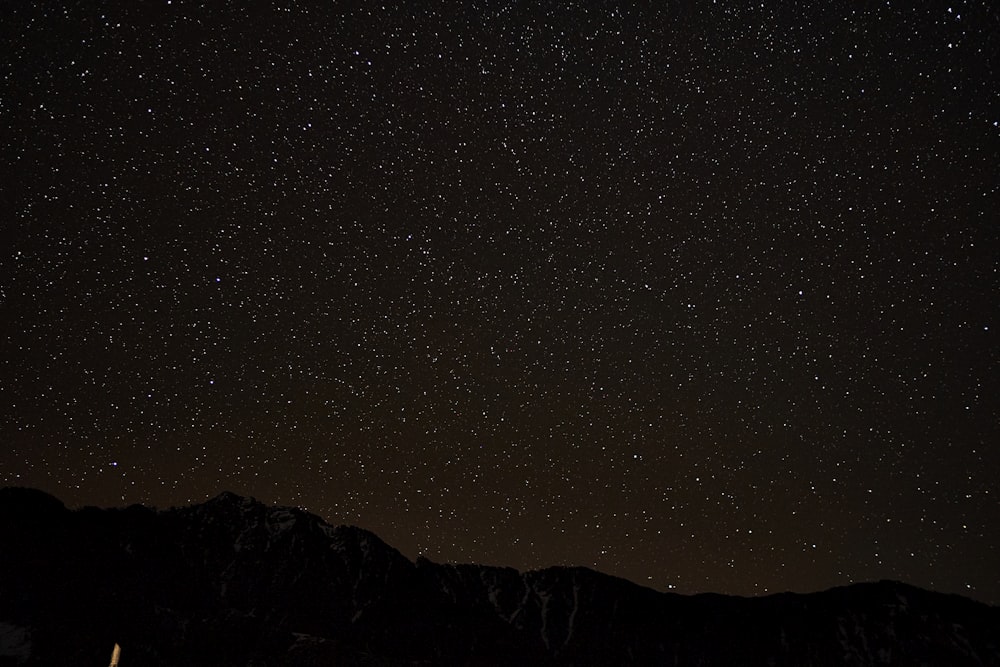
(699, 294)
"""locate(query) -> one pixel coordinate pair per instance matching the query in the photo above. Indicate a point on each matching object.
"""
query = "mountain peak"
(230, 498)
(22, 496)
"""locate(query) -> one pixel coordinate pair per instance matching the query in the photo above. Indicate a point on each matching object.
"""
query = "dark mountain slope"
(234, 582)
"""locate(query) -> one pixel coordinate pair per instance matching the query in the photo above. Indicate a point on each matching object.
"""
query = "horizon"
(971, 595)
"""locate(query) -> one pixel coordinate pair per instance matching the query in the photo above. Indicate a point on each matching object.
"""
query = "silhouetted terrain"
(235, 582)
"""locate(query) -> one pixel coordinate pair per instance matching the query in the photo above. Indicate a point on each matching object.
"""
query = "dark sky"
(697, 294)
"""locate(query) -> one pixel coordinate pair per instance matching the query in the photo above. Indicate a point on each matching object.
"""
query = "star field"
(702, 295)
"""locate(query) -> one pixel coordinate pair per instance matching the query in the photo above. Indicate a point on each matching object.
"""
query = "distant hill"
(234, 582)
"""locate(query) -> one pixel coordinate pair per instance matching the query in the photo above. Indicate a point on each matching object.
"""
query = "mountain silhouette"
(235, 582)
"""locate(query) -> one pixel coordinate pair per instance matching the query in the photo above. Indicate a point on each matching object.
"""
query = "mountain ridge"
(233, 581)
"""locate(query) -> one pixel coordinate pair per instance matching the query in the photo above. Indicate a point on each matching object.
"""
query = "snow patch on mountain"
(15, 642)
(279, 520)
